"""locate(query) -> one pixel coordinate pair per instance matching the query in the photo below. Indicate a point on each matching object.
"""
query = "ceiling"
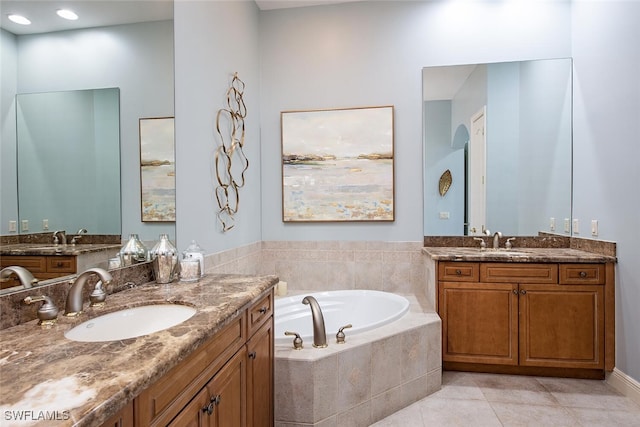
(100, 13)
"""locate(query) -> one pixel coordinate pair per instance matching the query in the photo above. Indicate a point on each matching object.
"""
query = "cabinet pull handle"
(252, 355)
(215, 400)
(583, 274)
(523, 292)
(263, 310)
(458, 272)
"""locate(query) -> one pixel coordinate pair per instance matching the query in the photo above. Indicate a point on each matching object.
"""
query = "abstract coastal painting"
(337, 165)
(157, 169)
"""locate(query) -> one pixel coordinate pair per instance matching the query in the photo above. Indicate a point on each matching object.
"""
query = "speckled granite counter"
(39, 249)
(82, 384)
(516, 255)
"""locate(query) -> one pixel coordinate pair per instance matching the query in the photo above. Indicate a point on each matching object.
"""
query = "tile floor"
(472, 399)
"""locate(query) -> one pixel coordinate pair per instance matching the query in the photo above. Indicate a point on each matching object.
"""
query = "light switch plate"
(576, 226)
(13, 226)
(24, 225)
(594, 227)
(552, 224)
(567, 225)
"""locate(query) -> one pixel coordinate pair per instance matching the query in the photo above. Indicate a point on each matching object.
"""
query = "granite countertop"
(516, 255)
(82, 384)
(37, 249)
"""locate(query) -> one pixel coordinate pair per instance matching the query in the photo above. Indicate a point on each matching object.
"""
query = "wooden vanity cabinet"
(42, 267)
(226, 382)
(526, 317)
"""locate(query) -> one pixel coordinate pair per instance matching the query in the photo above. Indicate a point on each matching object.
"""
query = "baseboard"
(624, 384)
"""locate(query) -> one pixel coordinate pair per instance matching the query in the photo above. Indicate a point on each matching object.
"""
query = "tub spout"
(319, 333)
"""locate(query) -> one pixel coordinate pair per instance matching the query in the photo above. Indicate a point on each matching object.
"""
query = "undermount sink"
(130, 323)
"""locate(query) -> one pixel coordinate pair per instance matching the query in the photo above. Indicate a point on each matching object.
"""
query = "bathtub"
(391, 358)
(363, 309)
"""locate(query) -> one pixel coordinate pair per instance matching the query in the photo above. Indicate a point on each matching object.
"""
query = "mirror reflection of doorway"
(476, 189)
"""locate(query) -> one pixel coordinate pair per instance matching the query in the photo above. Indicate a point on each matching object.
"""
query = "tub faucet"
(319, 333)
(26, 278)
(496, 239)
(73, 306)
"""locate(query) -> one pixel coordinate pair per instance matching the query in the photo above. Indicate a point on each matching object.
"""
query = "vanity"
(534, 311)
(47, 261)
(216, 368)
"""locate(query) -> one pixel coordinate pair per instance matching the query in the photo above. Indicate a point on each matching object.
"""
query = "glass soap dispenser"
(195, 252)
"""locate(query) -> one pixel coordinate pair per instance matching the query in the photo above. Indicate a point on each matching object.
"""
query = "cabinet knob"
(458, 272)
(252, 355)
(515, 291)
(263, 310)
(583, 274)
(523, 292)
(215, 400)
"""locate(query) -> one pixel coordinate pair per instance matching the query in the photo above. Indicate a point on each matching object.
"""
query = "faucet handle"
(340, 336)
(98, 296)
(48, 313)
(297, 341)
(483, 244)
(508, 244)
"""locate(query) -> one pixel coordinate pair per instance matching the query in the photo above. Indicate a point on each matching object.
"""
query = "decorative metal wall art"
(445, 182)
(230, 160)
(337, 165)
(157, 169)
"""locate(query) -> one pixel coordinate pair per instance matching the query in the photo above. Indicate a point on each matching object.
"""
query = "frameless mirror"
(504, 133)
(68, 149)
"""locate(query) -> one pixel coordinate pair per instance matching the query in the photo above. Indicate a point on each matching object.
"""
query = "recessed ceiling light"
(19, 19)
(67, 14)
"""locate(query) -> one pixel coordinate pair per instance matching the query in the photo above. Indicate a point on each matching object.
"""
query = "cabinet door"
(260, 377)
(221, 403)
(562, 326)
(124, 418)
(479, 322)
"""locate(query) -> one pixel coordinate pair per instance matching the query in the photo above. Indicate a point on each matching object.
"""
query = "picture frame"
(338, 165)
(157, 169)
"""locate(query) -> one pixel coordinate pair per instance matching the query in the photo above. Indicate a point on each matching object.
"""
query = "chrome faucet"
(319, 333)
(62, 239)
(73, 306)
(78, 235)
(24, 276)
(496, 239)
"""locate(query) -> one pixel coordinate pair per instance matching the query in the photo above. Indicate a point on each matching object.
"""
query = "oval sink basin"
(130, 323)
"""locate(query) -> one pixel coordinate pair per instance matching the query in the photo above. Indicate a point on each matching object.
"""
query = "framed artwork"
(337, 165)
(157, 169)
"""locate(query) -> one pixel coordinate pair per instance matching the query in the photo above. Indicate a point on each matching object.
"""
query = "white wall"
(606, 150)
(136, 58)
(213, 41)
(372, 53)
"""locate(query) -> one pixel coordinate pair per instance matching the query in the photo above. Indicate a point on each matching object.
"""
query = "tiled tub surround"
(371, 376)
(40, 370)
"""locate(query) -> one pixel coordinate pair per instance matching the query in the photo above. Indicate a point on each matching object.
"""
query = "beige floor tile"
(520, 415)
(514, 389)
(458, 385)
(458, 413)
(601, 418)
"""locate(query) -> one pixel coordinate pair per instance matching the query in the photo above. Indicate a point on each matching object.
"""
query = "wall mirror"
(125, 45)
(504, 131)
(68, 149)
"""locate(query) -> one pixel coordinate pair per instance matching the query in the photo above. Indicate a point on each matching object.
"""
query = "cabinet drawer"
(61, 264)
(458, 271)
(258, 312)
(582, 274)
(35, 264)
(159, 404)
(518, 273)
